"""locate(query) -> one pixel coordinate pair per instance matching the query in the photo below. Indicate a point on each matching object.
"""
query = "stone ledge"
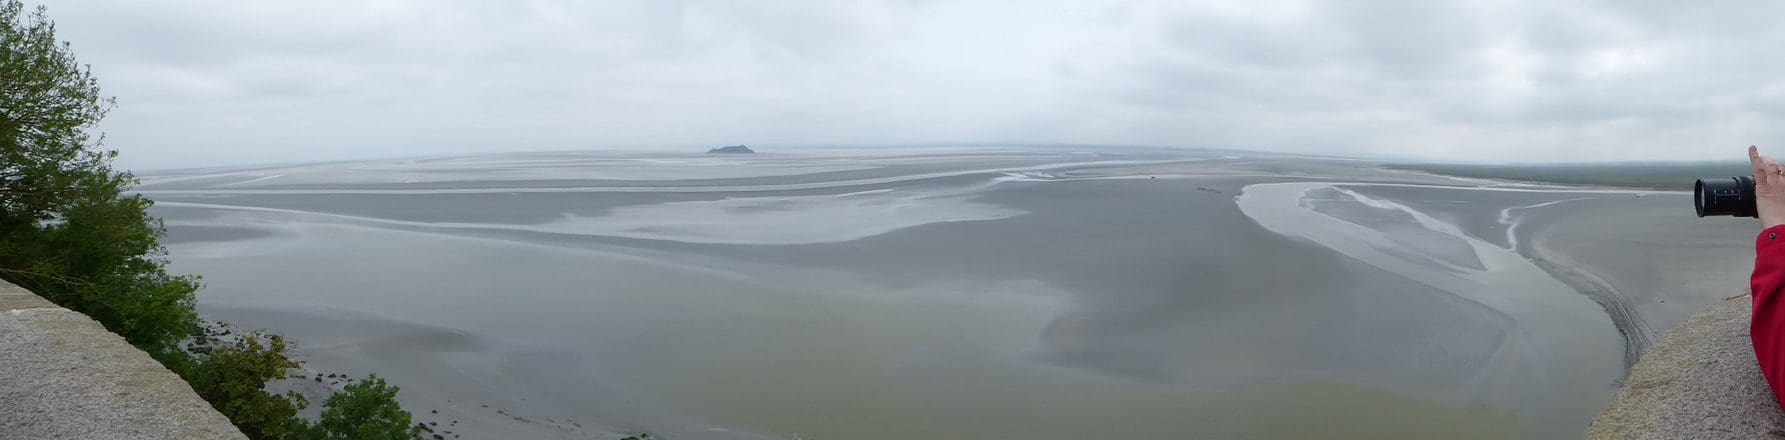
(1699, 381)
(64, 376)
(15, 298)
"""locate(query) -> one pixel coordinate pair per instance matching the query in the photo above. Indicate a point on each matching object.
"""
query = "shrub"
(366, 410)
(234, 377)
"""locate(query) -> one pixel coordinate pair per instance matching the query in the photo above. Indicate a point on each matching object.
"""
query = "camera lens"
(1733, 196)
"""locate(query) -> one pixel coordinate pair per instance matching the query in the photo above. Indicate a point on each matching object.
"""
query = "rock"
(1699, 381)
(62, 375)
(734, 149)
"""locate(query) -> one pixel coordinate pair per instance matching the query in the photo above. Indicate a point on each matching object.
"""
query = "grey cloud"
(204, 82)
(1248, 43)
(1465, 81)
(1407, 38)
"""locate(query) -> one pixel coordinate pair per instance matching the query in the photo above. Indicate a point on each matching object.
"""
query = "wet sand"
(952, 293)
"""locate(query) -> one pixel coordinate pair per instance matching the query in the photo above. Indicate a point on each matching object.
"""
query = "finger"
(1771, 169)
(1758, 164)
(1754, 159)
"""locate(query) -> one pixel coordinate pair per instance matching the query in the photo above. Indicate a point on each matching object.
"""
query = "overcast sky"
(237, 82)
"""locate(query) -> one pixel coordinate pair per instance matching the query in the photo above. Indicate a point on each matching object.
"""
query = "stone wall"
(64, 376)
(1700, 381)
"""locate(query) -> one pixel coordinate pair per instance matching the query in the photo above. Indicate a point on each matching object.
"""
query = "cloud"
(208, 82)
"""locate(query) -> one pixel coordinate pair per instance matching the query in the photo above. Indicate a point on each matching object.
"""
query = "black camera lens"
(1733, 196)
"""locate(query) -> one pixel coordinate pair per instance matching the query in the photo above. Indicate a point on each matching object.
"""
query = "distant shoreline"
(1671, 176)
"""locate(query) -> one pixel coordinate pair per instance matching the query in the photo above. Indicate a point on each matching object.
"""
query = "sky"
(229, 82)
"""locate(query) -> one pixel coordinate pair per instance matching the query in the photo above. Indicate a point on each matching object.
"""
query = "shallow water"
(944, 293)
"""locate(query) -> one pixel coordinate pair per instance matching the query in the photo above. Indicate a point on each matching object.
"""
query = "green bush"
(70, 233)
(365, 410)
(234, 379)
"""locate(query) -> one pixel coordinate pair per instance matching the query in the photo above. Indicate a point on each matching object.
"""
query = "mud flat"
(943, 293)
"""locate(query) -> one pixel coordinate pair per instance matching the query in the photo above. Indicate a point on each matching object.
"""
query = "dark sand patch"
(192, 234)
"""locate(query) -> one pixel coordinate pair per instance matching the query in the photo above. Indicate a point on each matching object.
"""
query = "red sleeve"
(1768, 327)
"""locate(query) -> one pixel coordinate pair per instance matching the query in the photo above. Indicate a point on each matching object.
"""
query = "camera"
(1732, 196)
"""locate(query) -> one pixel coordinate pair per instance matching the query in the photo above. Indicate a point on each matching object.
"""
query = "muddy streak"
(1636, 331)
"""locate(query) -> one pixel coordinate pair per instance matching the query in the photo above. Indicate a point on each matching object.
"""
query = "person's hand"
(1769, 188)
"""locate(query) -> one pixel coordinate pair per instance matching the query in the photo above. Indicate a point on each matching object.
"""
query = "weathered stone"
(15, 298)
(1700, 381)
(64, 376)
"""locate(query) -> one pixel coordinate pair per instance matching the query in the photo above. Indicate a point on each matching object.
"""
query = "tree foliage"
(68, 231)
(234, 377)
(366, 410)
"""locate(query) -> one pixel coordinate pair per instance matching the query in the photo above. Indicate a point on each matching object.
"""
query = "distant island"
(734, 149)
